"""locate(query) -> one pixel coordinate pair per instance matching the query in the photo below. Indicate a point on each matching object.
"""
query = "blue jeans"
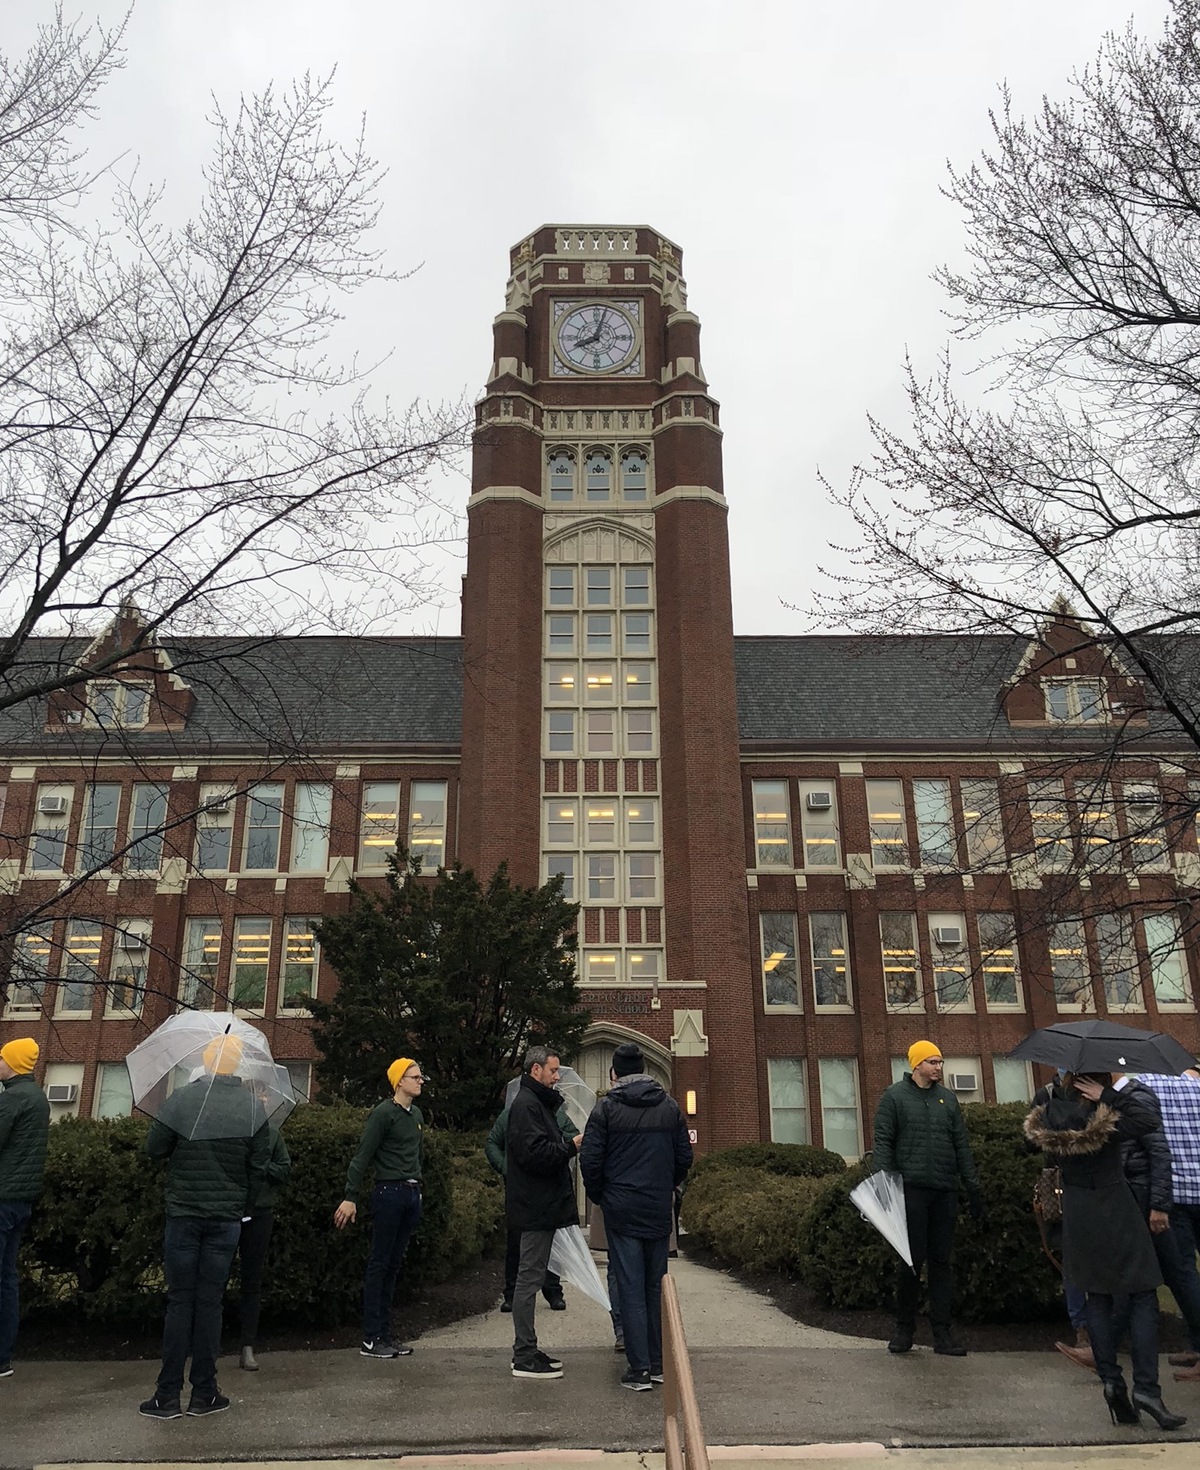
(1076, 1305)
(14, 1217)
(198, 1256)
(395, 1215)
(1142, 1307)
(614, 1299)
(640, 1267)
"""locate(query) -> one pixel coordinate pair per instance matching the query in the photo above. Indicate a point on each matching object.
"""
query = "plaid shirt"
(1179, 1098)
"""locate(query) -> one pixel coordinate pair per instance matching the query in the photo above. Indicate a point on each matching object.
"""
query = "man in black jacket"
(635, 1154)
(539, 1199)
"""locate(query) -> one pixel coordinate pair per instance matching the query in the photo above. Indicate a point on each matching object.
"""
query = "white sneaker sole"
(537, 1372)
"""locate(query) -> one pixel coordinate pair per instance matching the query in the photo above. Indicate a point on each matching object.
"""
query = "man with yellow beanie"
(24, 1131)
(920, 1135)
(393, 1144)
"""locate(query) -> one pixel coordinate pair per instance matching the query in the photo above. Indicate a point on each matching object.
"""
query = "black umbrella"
(1103, 1046)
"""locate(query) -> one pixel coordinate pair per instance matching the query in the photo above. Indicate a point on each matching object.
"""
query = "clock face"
(600, 337)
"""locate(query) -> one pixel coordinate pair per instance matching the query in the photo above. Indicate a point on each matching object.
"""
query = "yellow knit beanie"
(222, 1055)
(21, 1055)
(398, 1069)
(921, 1051)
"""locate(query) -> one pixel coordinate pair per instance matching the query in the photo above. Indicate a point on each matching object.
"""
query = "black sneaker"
(902, 1340)
(948, 1348)
(5, 1369)
(538, 1367)
(544, 1358)
(157, 1408)
(656, 1375)
(557, 1303)
(636, 1379)
(377, 1347)
(399, 1349)
(207, 1403)
(506, 1305)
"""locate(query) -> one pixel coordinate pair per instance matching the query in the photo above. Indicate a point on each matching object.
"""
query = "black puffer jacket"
(24, 1131)
(1147, 1160)
(538, 1192)
(212, 1178)
(635, 1151)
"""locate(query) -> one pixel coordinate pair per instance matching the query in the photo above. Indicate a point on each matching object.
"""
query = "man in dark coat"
(635, 1154)
(539, 1198)
(495, 1149)
(24, 1132)
(211, 1183)
(920, 1135)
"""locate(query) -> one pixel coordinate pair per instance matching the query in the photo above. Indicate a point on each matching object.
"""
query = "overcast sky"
(793, 148)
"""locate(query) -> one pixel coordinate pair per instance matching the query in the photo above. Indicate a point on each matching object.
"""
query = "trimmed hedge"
(796, 1160)
(1000, 1272)
(94, 1244)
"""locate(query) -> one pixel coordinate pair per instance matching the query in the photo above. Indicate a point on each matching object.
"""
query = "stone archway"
(601, 1040)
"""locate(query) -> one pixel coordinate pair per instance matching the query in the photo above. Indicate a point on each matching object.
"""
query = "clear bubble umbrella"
(578, 1098)
(880, 1201)
(209, 1074)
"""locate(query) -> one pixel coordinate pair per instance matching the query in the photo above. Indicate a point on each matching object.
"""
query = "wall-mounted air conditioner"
(131, 941)
(72, 717)
(819, 801)
(53, 806)
(1142, 798)
(218, 808)
(964, 1082)
(949, 936)
(62, 1092)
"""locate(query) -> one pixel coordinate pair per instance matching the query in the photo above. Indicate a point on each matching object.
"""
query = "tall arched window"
(599, 475)
(633, 475)
(562, 475)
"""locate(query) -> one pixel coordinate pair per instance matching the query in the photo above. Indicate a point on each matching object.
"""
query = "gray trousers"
(531, 1272)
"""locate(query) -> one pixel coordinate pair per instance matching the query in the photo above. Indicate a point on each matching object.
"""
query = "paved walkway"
(762, 1379)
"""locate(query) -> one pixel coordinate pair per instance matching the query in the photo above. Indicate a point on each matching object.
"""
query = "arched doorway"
(594, 1060)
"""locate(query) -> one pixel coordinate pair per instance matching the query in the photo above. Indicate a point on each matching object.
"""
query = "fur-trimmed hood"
(1072, 1142)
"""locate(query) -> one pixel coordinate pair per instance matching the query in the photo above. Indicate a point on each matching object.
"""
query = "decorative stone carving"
(859, 872)
(596, 273)
(689, 1039)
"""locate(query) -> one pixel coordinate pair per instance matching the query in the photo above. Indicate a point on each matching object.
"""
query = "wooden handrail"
(683, 1434)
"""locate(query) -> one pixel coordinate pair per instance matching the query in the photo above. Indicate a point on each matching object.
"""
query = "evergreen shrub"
(748, 1216)
(1000, 1271)
(94, 1244)
(797, 1160)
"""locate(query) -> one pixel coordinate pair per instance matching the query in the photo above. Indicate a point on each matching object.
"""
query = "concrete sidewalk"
(762, 1380)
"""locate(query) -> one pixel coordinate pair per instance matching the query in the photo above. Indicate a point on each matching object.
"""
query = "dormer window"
(114, 706)
(1074, 701)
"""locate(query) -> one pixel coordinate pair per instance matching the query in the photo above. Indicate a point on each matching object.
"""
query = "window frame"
(772, 960)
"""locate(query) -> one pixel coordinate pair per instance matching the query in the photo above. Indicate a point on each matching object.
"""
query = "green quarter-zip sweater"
(392, 1142)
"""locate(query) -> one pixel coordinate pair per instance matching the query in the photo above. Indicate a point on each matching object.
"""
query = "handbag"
(1047, 1196)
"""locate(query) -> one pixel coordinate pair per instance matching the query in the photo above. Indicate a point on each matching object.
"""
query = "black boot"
(945, 1344)
(1116, 1396)
(1158, 1411)
(902, 1338)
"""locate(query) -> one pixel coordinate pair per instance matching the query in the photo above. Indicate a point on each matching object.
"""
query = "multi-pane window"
(599, 732)
(998, 957)
(951, 962)
(560, 732)
(1013, 1082)
(562, 865)
(1098, 837)
(611, 966)
(264, 820)
(81, 968)
(602, 876)
(635, 633)
(251, 957)
(51, 814)
(983, 825)
(641, 870)
(889, 836)
(1145, 825)
(114, 1094)
(639, 731)
(201, 959)
(788, 1089)
(561, 684)
(1074, 701)
(633, 474)
(380, 823)
(1118, 962)
(214, 827)
(641, 821)
(935, 824)
(118, 706)
(601, 820)
(772, 824)
(1051, 825)
(839, 1105)
(600, 966)
(127, 973)
(1168, 963)
(643, 966)
(830, 961)
(637, 682)
(562, 819)
(781, 982)
(901, 965)
(146, 824)
(598, 633)
(427, 822)
(598, 584)
(819, 824)
(30, 971)
(598, 683)
(560, 634)
(98, 834)
(562, 475)
(598, 475)
(300, 955)
(1069, 965)
(560, 587)
(635, 587)
(310, 826)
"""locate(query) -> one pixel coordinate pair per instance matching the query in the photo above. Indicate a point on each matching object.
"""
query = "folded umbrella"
(880, 1201)
(578, 1098)
(571, 1259)
(1103, 1046)
(208, 1074)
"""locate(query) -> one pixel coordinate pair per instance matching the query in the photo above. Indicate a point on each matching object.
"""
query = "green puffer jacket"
(920, 1134)
(212, 1178)
(24, 1131)
(279, 1166)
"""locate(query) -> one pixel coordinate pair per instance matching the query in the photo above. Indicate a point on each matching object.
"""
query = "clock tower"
(599, 737)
